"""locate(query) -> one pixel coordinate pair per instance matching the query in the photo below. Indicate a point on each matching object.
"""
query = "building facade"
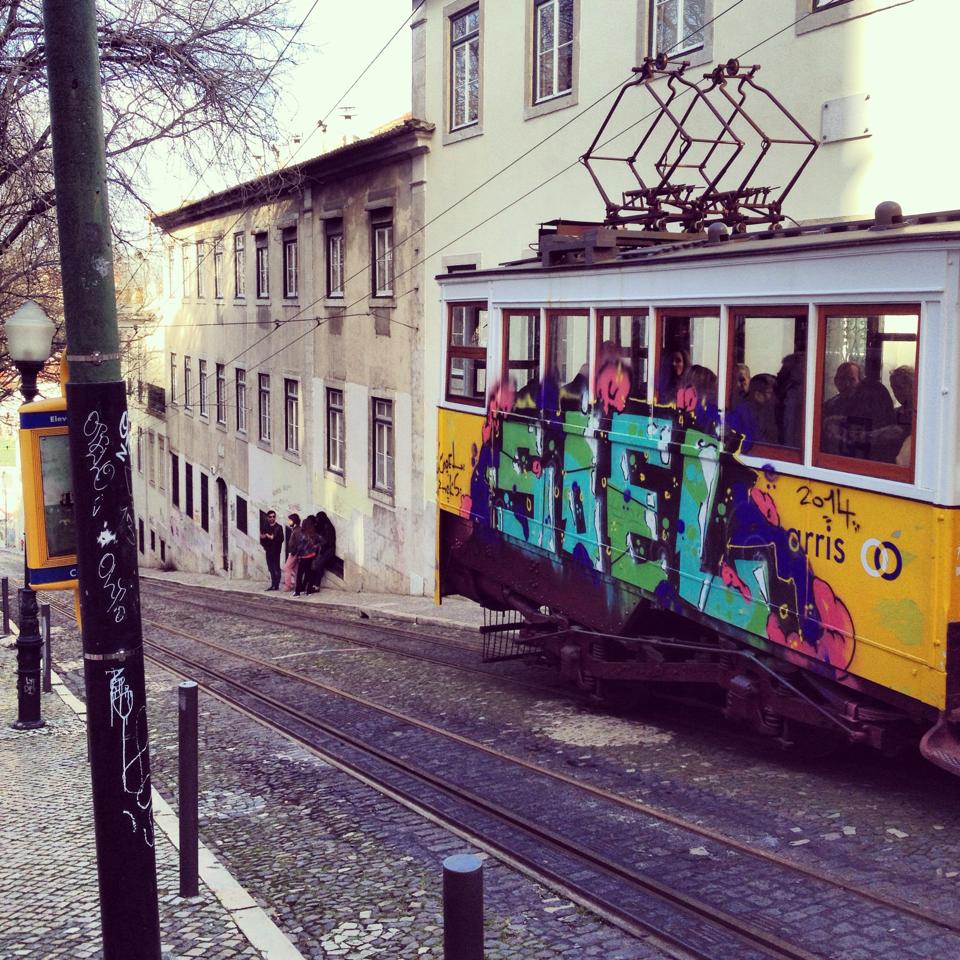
(290, 344)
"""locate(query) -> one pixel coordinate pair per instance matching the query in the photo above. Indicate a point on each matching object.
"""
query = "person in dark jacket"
(294, 536)
(271, 539)
(326, 549)
(306, 553)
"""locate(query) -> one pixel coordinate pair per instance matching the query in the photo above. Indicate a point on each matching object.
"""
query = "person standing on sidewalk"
(294, 541)
(271, 538)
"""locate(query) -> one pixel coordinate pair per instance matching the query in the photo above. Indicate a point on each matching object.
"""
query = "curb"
(355, 610)
(253, 922)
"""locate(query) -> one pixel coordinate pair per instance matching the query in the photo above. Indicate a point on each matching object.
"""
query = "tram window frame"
(711, 311)
(477, 354)
(642, 354)
(800, 314)
(534, 366)
(548, 337)
(857, 465)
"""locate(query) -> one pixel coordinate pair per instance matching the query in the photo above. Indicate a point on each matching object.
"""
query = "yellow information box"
(51, 532)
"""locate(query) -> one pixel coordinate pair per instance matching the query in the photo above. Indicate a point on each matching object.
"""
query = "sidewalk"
(49, 902)
(453, 612)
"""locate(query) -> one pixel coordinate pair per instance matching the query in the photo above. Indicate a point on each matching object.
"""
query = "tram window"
(689, 358)
(467, 353)
(568, 353)
(521, 334)
(622, 356)
(767, 383)
(867, 390)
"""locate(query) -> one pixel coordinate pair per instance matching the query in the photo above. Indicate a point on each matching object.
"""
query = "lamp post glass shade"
(29, 334)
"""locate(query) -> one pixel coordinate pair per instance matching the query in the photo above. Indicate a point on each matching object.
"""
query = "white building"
(291, 349)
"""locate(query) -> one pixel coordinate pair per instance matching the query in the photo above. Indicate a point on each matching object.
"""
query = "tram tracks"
(582, 862)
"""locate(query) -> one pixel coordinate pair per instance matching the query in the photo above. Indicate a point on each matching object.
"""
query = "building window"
(291, 416)
(186, 383)
(676, 26)
(383, 445)
(163, 550)
(241, 514)
(335, 431)
(201, 270)
(465, 68)
(521, 333)
(767, 381)
(162, 464)
(204, 501)
(173, 378)
(174, 479)
(290, 262)
(241, 385)
(823, 4)
(153, 541)
(188, 487)
(139, 449)
(553, 49)
(202, 376)
(239, 266)
(382, 229)
(151, 458)
(467, 353)
(185, 264)
(263, 405)
(221, 394)
(334, 231)
(140, 533)
(171, 289)
(218, 268)
(263, 265)
(865, 420)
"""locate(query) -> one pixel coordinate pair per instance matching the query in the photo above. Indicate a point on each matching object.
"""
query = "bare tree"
(199, 77)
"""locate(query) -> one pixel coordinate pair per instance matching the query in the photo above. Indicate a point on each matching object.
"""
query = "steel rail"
(881, 899)
(770, 944)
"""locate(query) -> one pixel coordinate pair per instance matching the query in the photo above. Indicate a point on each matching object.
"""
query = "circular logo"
(881, 559)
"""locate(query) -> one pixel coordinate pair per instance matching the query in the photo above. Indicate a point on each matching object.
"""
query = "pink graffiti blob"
(836, 643)
(687, 399)
(764, 503)
(537, 467)
(613, 387)
(501, 400)
(732, 579)
(466, 506)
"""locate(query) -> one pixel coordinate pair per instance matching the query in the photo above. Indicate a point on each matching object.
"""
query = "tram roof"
(832, 235)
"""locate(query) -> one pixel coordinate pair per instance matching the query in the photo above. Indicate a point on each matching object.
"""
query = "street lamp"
(29, 338)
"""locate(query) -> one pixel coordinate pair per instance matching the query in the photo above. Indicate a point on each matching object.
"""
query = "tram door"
(224, 522)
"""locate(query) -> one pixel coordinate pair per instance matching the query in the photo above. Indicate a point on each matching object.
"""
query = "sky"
(339, 40)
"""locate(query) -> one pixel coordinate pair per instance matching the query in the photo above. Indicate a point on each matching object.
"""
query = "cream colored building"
(519, 88)
(291, 349)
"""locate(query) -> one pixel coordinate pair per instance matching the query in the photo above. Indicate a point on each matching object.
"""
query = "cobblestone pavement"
(49, 905)
(292, 829)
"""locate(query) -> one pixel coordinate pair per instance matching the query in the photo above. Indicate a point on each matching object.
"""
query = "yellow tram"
(728, 461)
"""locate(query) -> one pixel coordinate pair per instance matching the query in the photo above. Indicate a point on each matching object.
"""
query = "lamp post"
(29, 337)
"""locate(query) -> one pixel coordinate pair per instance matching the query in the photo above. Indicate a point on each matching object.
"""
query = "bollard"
(29, 647)
(45, 633)
(463, 907)
(5, 586)
(189, 843)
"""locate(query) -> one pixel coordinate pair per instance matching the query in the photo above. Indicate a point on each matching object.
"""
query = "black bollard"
(5, 587)
(29, 645)
(189, 843)
(463, 907)
(45, 633)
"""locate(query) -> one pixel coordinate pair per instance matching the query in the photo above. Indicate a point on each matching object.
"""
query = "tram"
(725, 463)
